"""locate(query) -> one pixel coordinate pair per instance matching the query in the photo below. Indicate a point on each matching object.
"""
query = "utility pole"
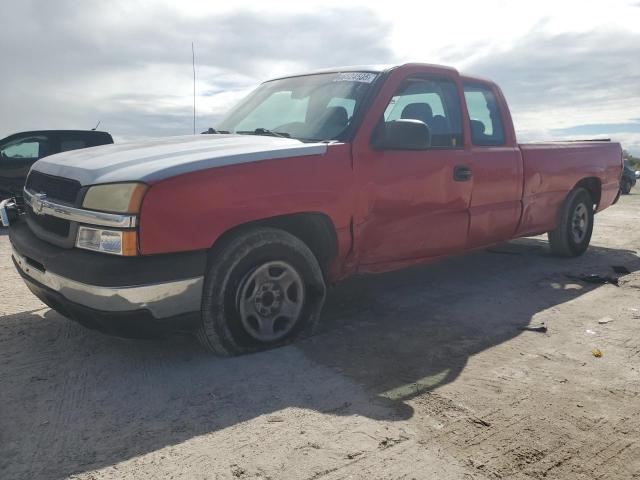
(193, 63)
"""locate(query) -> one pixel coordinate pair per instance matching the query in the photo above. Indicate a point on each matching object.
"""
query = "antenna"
(96, 125)
(193, 63)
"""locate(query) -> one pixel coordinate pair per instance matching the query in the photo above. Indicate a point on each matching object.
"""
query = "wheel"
(575, 225)
(625, 186)
(263, 289)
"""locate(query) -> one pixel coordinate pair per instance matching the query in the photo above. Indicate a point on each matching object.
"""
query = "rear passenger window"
(485, 121)
(72, 145)
(433, 101)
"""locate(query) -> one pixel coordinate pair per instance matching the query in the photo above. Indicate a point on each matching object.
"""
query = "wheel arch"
(315, 229)
(593, 185)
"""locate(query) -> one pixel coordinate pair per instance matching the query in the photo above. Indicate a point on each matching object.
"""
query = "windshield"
(309, 108)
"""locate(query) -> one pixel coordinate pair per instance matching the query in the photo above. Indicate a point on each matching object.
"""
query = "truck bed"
(551, 169)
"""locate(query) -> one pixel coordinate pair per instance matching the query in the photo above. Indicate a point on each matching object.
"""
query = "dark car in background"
(21, 150)
(628, 179)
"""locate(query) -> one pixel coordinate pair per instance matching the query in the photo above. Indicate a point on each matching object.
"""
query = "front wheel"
(575, 224)
(263, 289)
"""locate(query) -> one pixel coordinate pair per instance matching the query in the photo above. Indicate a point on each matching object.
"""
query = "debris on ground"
(596, 352)
(588, 331)
(604, 320)
(595, 278)
(535, 328)
(275, 419)
(390, 442)
(237, 471)
(479, 421)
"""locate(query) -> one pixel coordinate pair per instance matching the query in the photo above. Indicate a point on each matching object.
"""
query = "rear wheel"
(575, 225)
(625, 186)
(263, 289)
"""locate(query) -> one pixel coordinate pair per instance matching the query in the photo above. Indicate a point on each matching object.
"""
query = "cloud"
(557, 82)
(600, 129)
(69, 64)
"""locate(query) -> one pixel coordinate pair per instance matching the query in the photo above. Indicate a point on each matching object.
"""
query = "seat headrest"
(336, 116)
(418, 111)
(477, 128)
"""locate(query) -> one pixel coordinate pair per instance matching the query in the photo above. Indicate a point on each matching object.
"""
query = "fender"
(191, 211)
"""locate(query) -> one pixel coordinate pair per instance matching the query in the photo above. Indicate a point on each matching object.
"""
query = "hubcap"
(270, 300)
(579, 223)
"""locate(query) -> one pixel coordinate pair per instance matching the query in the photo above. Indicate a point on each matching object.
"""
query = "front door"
(414, 203)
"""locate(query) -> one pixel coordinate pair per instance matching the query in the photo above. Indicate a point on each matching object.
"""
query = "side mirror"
(403, 134)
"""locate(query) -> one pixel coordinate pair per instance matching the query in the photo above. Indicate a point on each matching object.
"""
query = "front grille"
(56, 188)
(57, 226)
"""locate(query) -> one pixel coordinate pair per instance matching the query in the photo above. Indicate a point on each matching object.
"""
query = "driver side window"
(433, 101)
(29, 149)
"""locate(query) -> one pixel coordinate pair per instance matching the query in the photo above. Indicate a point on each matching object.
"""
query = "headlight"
(115, 197)
(117, 242)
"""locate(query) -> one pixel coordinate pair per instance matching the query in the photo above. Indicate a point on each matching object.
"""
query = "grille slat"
(56, 188)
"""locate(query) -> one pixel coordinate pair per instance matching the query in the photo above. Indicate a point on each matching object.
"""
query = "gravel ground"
(425, 373)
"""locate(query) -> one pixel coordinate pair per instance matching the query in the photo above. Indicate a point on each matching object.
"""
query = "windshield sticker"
(363, 77)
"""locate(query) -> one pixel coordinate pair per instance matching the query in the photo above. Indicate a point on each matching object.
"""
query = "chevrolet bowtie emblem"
(37, 203)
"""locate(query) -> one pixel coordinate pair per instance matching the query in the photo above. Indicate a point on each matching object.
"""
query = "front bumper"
(130, 296)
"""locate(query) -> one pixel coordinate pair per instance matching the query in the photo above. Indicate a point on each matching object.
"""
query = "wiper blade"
(213, 131)
(264, 131)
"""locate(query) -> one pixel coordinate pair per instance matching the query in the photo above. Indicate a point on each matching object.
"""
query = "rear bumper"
(129, 296)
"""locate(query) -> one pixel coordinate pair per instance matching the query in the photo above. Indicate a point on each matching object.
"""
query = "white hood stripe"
(158, 159)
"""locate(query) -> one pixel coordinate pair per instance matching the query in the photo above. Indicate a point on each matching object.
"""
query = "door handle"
(462, 173)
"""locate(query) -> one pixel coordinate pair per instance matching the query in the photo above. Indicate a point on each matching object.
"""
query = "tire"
(625, 186)
(575, 225)
(263, 288)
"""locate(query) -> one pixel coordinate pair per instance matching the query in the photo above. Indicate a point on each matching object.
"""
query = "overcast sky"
(568, 69)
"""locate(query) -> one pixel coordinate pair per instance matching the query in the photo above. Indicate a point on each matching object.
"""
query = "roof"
(377, 69)
(349, 68)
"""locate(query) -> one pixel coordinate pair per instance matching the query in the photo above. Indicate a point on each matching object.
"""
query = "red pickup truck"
(310, 179)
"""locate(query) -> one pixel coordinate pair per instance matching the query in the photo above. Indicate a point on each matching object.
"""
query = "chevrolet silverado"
(310, 179)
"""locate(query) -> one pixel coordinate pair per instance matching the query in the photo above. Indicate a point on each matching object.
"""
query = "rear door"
(17, 154)
(496, 161)
(411, 205)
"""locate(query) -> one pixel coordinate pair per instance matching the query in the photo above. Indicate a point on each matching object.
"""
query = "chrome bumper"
(163, 300)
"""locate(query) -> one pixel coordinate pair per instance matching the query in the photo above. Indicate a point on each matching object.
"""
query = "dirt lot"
(423, 374)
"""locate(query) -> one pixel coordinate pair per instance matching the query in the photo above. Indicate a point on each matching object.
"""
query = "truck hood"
(157, 159)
